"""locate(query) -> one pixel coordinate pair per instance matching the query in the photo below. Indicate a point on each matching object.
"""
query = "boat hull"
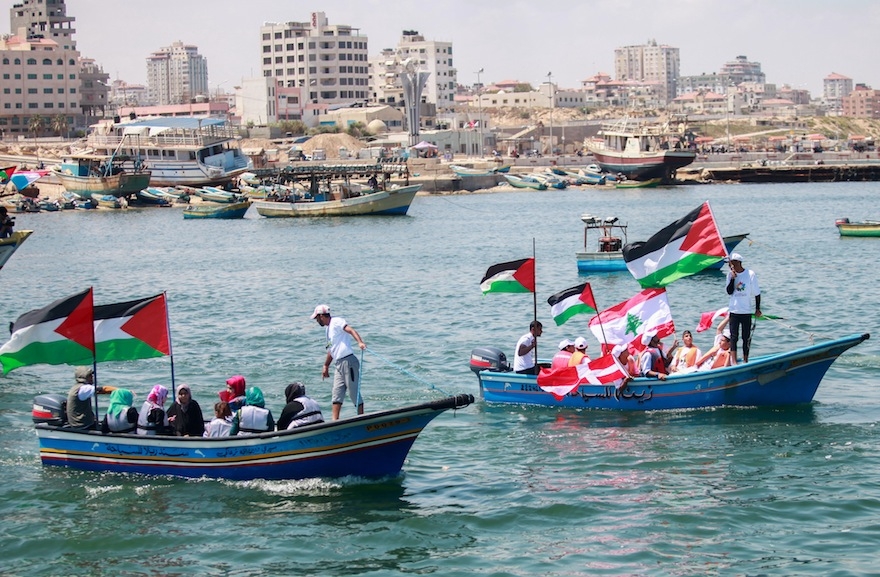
(643, 166)
(369, 446)
(226, 211)
(790, 378)
(613, 261)
(8, 246)
(385, 202)
(123, 184)
(517, 182)
(859, 229)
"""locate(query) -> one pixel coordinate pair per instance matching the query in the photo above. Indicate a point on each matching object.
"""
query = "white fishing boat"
(184, 150)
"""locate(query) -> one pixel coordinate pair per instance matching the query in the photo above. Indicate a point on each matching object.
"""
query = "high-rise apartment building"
(42, 71)
(428, 56)
(176, 74)
(834, 88)
(651, 62)
(328, 63)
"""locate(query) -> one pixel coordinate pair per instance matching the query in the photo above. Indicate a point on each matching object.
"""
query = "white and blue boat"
(789, 378)
(370, 446)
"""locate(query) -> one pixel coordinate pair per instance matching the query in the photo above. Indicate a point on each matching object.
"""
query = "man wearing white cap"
(560, 359)
(651, 361)
(580, 353)
(347, 375)
(742, 286)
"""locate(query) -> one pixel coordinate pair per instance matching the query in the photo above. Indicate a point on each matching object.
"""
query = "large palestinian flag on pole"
(61, 333)
(516, 276)
(626, 322)
(681, 249)
(573, 301)
(131, 330)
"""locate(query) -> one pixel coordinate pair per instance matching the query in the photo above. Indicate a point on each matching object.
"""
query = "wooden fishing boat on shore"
(788, 378)
(95, 175)
(9, 245)
(649, 183)
(863, 228)
(394, 201)
(523, 181)
(371, 446)
(612, 236)
(232, 211)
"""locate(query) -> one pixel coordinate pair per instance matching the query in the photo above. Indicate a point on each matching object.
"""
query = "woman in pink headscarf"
(234, 393)
(152, 419)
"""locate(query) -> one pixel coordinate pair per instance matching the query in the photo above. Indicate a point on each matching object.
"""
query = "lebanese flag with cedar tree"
(626, 322)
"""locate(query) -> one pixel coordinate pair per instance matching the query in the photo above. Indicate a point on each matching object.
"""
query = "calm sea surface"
(489, 490)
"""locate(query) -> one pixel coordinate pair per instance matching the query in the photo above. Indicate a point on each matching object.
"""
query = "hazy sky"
(797, 42)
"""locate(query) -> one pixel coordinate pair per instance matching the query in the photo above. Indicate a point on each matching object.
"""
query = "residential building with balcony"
(434, 57)
(328, 63)
(654, 63)
(862, 102)
(176, 74)
(834, 88)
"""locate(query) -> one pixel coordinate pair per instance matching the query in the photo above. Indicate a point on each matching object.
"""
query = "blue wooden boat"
(147, 196)
(213, 194)
(223, 211)
(789, 378)
(371, 446)
(522, 181)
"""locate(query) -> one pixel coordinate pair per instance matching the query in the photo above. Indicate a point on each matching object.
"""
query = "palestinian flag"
(61, 333)
(570, 302)
(6, 174)
(516, 276)
(683, 248)
(626, 322)
(131, 330)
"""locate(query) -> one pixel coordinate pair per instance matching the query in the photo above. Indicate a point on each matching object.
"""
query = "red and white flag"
(708, 319)
(562, 381)
(626, 322)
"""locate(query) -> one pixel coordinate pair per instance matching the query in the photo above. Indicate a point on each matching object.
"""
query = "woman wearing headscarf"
(234, 393)
(185, 414)
(152, 419)
(121, 417)
(254, 417)
(300, 409)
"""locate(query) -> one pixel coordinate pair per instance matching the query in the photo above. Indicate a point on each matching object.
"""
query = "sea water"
(489, 489)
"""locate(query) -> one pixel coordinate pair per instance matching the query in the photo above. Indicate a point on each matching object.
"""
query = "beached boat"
(372, 446)
(90, 175)
(213, 194)
(863, 228)
(788, 378)
(649, 183)
(232, 211)
(524, 181)
(10, 244)
(395, 201)
(465, 171)
(550, 179)
(611, 237)
(147, 196)
(110, 201)
(181, 150)
(641, 151)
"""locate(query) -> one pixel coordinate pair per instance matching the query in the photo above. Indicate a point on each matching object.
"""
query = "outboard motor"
(841, 221)
(488, 359)
(51, 409)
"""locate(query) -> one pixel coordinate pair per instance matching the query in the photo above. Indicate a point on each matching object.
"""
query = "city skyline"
(796, 42)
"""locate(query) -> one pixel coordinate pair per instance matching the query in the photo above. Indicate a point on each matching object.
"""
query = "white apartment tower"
(658, 64)
(328, 63)
(835, 87)
(176, 74)
(429, 56)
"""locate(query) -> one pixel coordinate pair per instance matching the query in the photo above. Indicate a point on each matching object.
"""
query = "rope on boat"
(810, 335)
(406, 372)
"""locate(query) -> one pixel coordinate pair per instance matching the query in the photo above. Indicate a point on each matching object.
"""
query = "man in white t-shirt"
(340, 352)
(742, 286)
(524, 361)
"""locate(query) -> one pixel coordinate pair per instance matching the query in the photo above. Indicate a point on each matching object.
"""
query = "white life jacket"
(311, 413)
(145, 427)
(252, 419)
(218, 428)
(119, 423)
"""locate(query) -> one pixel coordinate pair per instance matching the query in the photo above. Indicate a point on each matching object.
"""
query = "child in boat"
(221, 424)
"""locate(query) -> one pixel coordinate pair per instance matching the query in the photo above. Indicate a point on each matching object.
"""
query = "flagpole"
(170, 349)
(535, 299)
(94, 358)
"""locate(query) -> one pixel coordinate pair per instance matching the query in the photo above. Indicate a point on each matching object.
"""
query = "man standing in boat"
(742, 286)
(348, 368)
(524, 361)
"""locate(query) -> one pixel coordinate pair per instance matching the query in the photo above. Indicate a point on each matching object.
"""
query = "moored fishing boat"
(465, 171)
(863, 228)
(147, 196)
(787, 378)
(649, 183)
(641, 151)
(372, 446)
(232, 211)
(213, 194)
(524, 181)
(394, 201)
(9, 245)
(99, 175)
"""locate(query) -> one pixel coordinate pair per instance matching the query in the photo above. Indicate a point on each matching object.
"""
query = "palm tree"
(37, 124)
(59, 124)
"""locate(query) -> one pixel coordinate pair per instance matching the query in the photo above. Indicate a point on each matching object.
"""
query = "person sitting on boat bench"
(651, 361)
(80, 414)
(121, 417)
(300, 409)
(579, 357)
(253, 417)
(561, 358)
(524, 361)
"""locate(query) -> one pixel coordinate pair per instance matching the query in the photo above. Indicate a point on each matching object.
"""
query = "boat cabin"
(612, 234)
